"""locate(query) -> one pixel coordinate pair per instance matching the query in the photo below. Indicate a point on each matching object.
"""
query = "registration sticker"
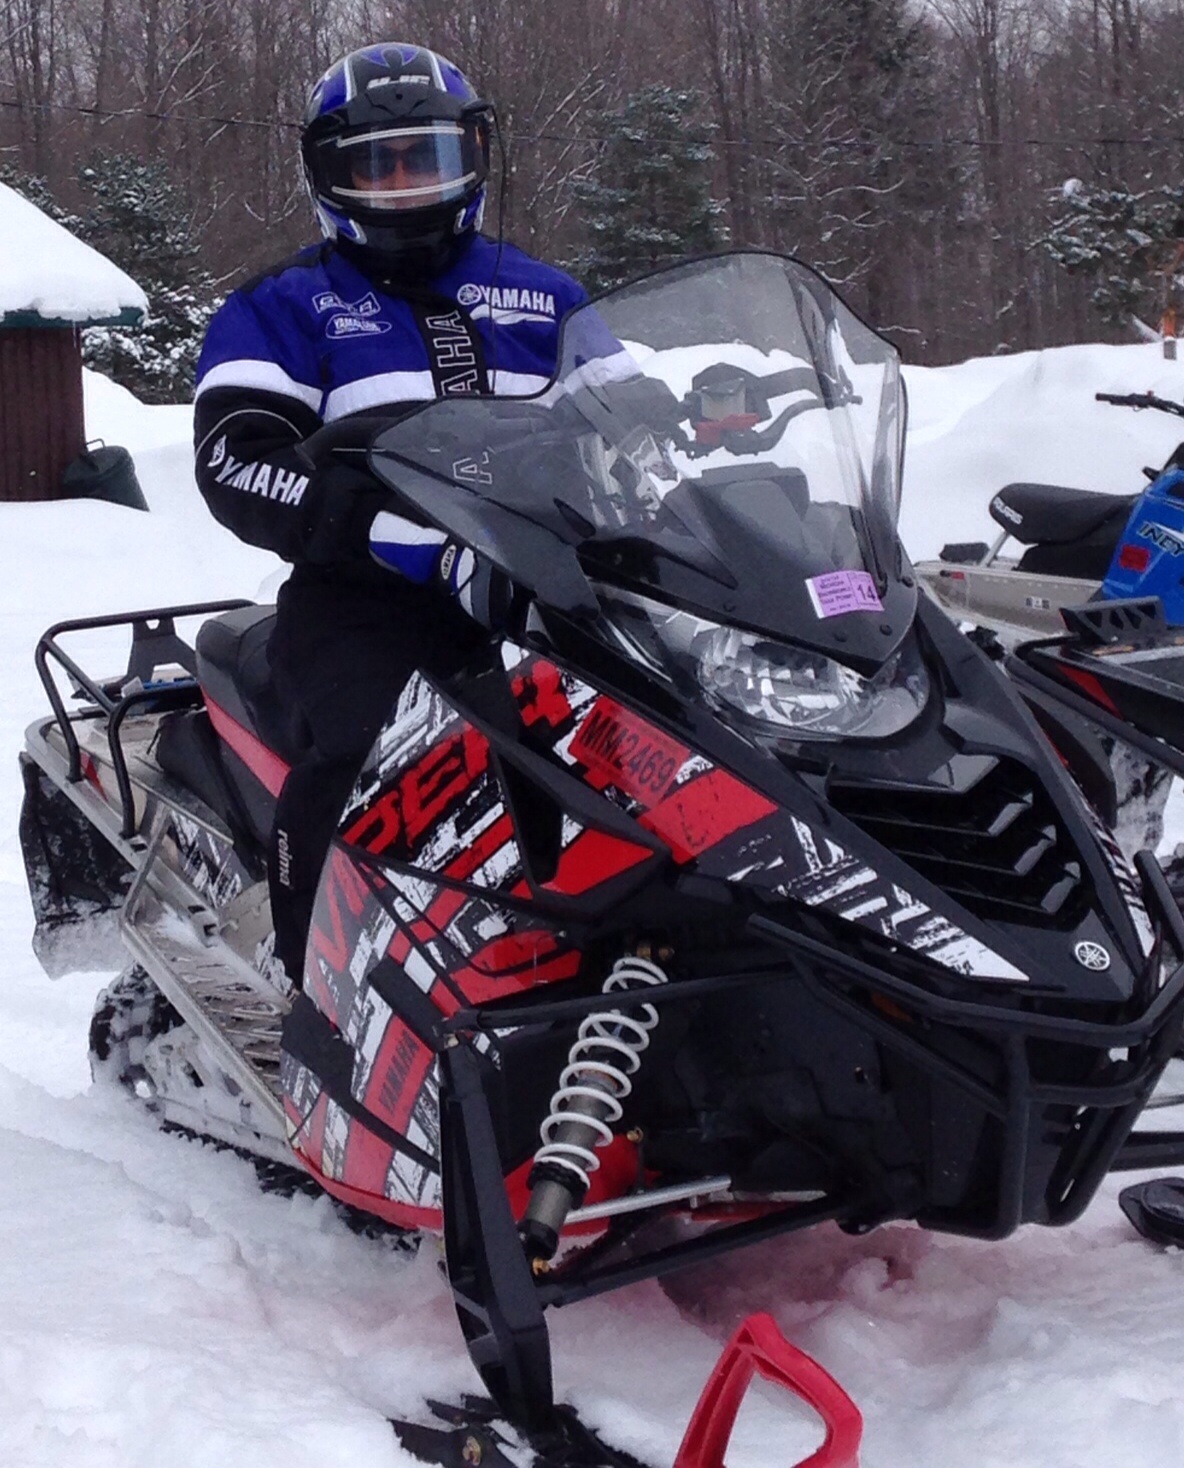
(626, 751)
(843, 591)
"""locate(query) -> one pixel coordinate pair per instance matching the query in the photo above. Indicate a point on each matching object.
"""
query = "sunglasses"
(416, 155)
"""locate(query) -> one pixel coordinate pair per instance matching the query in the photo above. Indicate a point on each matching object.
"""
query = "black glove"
(644, 402)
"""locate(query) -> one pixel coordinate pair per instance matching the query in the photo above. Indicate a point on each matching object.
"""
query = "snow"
(157, 1307)
(49, 272)
(1028, 417)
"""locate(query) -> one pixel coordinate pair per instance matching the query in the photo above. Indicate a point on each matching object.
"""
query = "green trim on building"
(129, 316)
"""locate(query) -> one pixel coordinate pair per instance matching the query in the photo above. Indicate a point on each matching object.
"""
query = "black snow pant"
(341, 653)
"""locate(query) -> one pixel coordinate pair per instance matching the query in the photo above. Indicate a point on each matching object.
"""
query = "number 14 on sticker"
(843, 591)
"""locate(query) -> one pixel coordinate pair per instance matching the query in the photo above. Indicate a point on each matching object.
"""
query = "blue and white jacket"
(314, 341)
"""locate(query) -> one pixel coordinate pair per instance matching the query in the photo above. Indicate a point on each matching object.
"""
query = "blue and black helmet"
(396, 156)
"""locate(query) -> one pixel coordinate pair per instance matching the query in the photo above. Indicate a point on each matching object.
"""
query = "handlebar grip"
(1141, 400)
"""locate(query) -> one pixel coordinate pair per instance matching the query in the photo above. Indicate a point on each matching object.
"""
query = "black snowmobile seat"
(234, 672)
(1053, 514)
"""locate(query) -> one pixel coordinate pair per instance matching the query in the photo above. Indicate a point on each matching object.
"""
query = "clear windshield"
(725, 435)
(813, 395)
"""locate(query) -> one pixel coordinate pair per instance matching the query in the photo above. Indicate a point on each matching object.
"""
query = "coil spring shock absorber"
(601, 1063)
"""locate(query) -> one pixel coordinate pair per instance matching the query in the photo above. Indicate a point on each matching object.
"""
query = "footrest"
(235, 1012)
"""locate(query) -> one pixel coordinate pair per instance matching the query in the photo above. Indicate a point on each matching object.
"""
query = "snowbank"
(996, 420)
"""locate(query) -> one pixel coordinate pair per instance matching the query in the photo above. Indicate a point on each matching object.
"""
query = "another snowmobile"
(733, 892)
(1119, 665)
(1119, 668)
(1078, 545)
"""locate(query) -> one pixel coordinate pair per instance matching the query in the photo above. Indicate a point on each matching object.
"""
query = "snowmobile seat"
(1052, 514)
(235, 674)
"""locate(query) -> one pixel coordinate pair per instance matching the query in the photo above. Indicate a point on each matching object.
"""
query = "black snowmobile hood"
(723, 437)
(745, 586)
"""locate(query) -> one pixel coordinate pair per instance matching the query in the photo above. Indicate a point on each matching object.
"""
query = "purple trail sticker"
(843, 591)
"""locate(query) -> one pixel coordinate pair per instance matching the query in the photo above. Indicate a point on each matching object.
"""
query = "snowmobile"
(729, 892)
(1118, 666)
(1078, 545)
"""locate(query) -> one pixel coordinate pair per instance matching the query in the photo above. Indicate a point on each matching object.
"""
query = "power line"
(948, 141)
(1144, 140)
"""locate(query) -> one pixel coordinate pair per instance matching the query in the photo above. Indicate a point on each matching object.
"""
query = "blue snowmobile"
(1078, 546)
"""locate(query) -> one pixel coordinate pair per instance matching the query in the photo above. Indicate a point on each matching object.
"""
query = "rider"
(403, 301)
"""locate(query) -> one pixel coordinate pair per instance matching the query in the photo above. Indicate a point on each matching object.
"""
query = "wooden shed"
(51, 286)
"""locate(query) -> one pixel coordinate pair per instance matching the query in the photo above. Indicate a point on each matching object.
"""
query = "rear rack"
(154, 643)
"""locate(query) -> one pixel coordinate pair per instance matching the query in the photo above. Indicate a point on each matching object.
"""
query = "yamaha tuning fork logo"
(506, 304)
(1092, 956)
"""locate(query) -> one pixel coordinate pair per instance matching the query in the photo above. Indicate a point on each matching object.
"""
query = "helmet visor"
(403, 167)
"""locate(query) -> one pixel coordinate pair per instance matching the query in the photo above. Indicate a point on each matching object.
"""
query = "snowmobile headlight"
(805, 693)
(774, 688)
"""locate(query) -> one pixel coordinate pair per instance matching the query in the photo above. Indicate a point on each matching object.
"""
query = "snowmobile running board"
(473, 1435)
(209, 985)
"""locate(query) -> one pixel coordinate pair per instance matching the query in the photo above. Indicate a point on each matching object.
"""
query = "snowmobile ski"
(1156, 1209)
(475, 1434)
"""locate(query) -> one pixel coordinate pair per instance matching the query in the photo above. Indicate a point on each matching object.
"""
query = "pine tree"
(1131, 244)
(36, 191)
(648, 202)
(138, 221)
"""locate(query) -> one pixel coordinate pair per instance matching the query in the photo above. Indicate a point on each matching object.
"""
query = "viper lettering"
(422, 794)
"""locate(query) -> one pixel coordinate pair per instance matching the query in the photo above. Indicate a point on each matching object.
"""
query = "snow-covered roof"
(49, 278)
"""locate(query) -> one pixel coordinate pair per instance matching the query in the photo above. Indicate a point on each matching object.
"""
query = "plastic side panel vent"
(759, 1348)
(997, 846)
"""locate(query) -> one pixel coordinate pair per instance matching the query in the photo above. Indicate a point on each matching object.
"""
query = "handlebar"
(1140, 400)
(727, 402)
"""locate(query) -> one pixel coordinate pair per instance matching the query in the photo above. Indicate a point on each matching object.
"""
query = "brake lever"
(757, 440)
